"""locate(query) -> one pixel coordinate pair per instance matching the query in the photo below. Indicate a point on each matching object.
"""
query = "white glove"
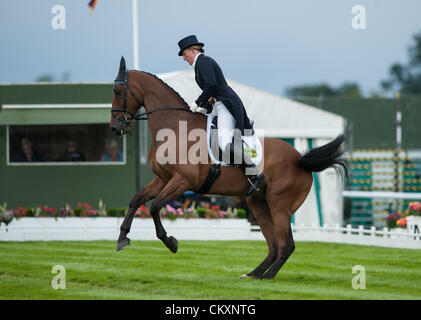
(195, 108)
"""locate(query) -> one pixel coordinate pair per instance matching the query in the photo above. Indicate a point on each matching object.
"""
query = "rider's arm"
(210, 89)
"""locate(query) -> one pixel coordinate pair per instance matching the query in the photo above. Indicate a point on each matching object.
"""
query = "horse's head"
(124, 105)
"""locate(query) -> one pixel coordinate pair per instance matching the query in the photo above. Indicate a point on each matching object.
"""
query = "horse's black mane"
(164, 83)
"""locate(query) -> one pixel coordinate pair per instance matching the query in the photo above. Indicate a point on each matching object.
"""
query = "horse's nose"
(116, 131)
(119, 129)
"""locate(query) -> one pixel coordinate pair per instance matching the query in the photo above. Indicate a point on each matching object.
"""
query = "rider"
(219, 96)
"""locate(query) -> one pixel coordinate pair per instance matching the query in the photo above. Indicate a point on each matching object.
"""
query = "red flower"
(86, 205)
(20, 211)
(416, 206)
(402, 222)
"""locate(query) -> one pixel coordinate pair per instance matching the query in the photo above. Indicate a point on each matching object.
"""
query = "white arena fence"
(88, 229)
(393, 238)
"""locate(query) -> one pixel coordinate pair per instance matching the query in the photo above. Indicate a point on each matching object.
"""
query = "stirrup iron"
(254, 187)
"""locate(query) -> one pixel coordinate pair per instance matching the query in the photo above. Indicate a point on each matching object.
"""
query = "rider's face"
(189, 54)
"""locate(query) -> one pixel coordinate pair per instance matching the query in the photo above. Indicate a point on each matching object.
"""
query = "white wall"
(330, 188)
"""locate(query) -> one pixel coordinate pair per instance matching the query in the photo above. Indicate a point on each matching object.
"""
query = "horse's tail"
(326, 156)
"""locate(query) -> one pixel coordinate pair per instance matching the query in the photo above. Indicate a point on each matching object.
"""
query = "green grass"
(204, 270)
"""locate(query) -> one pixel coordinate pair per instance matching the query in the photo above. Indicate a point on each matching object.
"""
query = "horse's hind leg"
(147, 193)
(284, 238)
(261, 211)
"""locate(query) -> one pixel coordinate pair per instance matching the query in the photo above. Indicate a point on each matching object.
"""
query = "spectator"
(27, 153)
(71, 153)
(112, 152)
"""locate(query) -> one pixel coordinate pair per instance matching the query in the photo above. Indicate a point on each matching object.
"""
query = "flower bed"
(84, 210)
(85, 222)
(410, 219)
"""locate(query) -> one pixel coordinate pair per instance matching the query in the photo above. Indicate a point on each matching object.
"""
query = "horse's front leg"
(172, 190)
(147, 193)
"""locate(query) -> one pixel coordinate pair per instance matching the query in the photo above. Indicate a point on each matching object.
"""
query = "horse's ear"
(122, 64)
(122, 71)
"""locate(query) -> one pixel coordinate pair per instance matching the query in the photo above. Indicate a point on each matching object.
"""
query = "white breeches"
(226, 124)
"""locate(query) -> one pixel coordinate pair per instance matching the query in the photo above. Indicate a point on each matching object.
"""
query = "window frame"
(60, 163)
(65, 163)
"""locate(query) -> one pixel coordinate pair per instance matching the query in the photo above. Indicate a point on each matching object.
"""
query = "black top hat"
(188, 42)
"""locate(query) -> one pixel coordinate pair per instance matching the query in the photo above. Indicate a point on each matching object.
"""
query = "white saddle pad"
(251, 145)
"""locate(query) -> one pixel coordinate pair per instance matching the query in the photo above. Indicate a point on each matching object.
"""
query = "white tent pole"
(143, 129)
(138, 147)
(135, 36)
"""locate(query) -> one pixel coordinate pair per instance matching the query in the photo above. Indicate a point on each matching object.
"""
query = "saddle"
(252, 146)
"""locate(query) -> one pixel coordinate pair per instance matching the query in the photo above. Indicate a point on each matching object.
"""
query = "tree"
(44, 78)
(347, 89)
(50, 78)
(406, 78)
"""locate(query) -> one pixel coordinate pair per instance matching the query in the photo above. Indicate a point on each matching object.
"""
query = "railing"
(382, 195)
(88, 229)
(396, 238)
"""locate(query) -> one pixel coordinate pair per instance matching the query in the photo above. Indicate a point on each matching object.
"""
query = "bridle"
(128, 115)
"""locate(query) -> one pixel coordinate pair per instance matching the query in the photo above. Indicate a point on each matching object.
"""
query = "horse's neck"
(159, 95)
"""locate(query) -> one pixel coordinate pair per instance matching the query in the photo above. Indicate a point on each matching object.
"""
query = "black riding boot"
(252, 173)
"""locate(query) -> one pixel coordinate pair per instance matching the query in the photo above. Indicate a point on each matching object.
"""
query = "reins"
(139, 117)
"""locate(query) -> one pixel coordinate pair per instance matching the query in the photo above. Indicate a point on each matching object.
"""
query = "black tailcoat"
(211, 80)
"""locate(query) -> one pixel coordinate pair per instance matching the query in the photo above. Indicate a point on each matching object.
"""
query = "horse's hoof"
(172, 244)
(253, 276)
(121, 244)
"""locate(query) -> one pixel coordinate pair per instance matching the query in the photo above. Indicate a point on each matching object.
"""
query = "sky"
(267, 44)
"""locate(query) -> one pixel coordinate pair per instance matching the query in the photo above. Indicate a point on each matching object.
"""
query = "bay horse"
(288, 174)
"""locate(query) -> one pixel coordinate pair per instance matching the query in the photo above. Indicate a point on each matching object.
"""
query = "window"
(64, 144)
